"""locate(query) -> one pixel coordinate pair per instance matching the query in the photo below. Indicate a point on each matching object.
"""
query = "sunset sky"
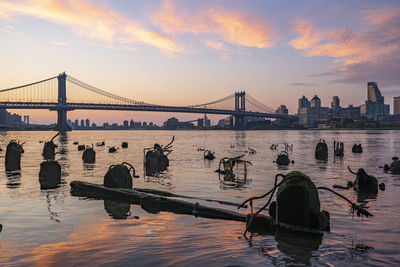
(181, 53)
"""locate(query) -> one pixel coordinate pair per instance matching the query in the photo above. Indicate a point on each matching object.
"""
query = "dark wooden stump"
(50, 174)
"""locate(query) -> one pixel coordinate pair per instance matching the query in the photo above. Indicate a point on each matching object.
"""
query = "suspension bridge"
(64, 93)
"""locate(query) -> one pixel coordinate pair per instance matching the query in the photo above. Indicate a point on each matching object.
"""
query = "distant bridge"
(52, 94)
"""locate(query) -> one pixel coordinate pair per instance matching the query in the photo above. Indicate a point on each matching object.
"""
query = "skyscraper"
(396, 105)
(335, 102)
(315, 102)
(374, 106)
(304, 102)
(374, 95)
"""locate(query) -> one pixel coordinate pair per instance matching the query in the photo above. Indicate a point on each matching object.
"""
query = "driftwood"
(168, 194)
(152, 202)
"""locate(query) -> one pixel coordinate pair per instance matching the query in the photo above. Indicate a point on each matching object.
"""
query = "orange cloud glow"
(347, 46)
(236, 28)
(92, 20)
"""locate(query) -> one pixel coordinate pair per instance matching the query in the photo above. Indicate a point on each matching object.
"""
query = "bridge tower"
(62, 124)
(240, 106)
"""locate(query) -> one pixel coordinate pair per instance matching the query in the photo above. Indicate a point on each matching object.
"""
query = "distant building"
(335, 102)
(374, 107)
(315, 102)
(282, 109)
(82, 123)
(350, 112)
(26, 119)
(173, 123)
(203, 122)
(76, 123)
(87, 124)
(396, 105)
(304, 102)
(131, 124)
(126, 124)
(311, 112)
(229, 122)
(8, 119)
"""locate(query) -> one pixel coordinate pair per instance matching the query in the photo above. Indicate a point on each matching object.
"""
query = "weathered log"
(13, 156)
(168, 194)
(80, 188)
(49, 174)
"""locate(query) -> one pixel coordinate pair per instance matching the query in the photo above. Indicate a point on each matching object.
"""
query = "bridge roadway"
(153, 108)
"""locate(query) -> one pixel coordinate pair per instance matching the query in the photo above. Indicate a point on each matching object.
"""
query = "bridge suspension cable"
(258, 104)
(213, 102)
(40, 91)
(26, 85)
(105, 93)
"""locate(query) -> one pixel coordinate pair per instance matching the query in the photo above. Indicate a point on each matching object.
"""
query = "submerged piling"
(49, 174)
(13, 156)
(89, 155)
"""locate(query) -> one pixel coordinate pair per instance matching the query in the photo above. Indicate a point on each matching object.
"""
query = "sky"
(172, 52)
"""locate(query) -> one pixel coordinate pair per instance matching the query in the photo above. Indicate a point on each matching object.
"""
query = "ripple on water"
(53, 227)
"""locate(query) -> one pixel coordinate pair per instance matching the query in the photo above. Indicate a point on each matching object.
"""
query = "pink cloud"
(237, 28)
(372, 53)
(92, 20)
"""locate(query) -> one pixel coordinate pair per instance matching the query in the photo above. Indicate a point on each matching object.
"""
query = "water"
(51, 227)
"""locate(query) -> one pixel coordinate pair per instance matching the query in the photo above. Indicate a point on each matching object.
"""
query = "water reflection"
(54, 199)
(13, 179)
(365, 197)
(298, 247)
(63, 152)
(117, 209)
(89, 167)
(53, 214)
(322, 164)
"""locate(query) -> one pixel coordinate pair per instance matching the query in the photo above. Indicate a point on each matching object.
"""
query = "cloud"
(59, 43)
(303, 84)
(226, 27)
(369, 54)
(92, 20)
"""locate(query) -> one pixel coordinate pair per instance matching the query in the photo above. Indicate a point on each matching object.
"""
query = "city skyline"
(182, 53)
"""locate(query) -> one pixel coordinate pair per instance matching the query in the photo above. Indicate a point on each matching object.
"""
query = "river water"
(52, 227)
